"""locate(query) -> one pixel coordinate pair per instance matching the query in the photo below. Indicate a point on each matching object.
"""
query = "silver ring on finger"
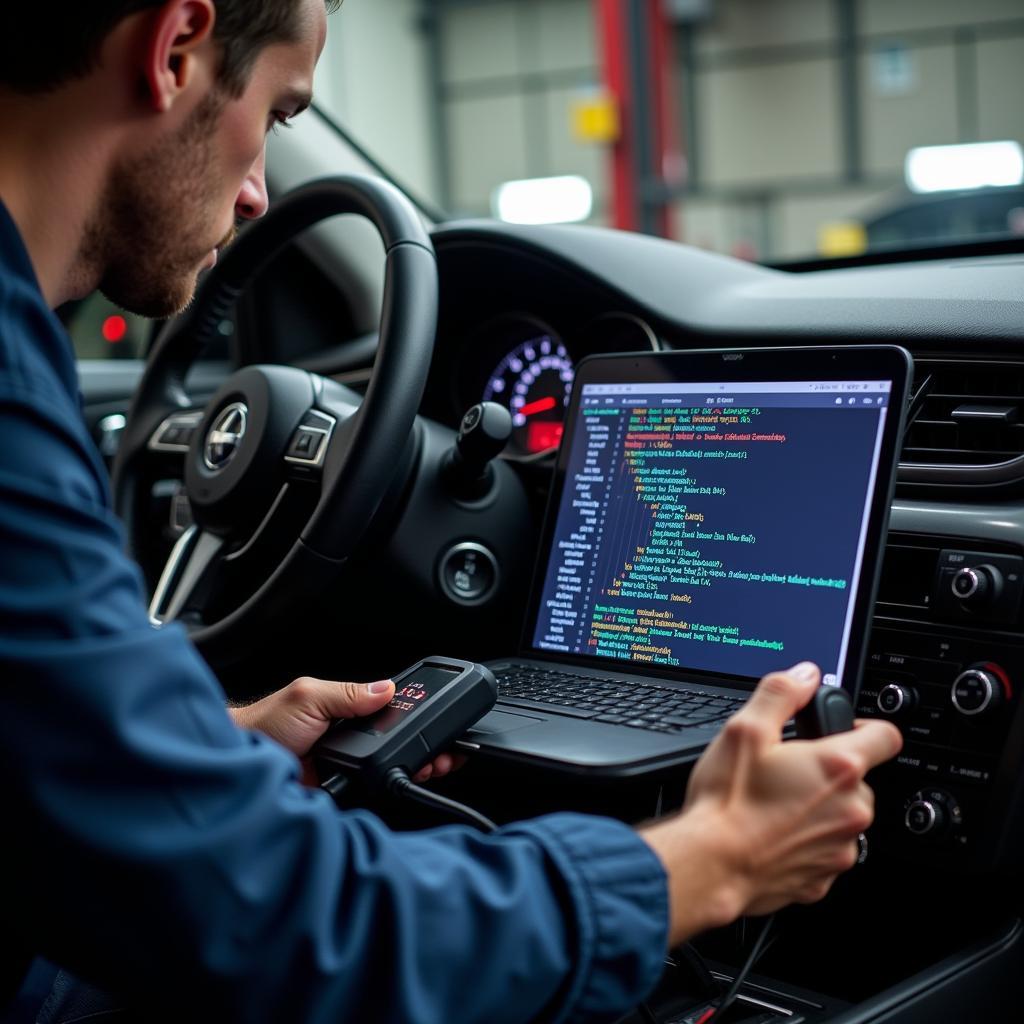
(862, 848)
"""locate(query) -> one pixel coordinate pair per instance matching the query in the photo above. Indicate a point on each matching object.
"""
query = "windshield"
(773, 130)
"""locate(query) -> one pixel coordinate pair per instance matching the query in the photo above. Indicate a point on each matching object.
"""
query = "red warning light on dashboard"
(115, 328)
(542, 435)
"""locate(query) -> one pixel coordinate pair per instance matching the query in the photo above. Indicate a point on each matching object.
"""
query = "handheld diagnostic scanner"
(435, 702)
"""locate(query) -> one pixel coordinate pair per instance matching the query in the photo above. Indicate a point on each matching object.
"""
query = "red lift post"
(645, 163)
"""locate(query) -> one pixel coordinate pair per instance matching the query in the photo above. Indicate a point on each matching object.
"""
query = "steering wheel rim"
(361, 457)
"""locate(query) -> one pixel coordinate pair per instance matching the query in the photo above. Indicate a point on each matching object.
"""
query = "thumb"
(355, 700)
(780, 696)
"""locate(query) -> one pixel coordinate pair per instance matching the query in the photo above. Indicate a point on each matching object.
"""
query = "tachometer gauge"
(534, 382)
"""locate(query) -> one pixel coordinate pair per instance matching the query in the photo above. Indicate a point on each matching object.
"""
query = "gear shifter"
(483, 434)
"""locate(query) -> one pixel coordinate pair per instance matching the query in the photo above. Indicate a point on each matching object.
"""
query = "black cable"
(399, 783)
(730, 996)
(647, 1013)
(687, 958)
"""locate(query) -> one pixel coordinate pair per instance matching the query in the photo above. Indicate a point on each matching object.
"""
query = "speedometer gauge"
(534, 382)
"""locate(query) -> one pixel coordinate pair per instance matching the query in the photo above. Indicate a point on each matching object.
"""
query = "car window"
(771, 130)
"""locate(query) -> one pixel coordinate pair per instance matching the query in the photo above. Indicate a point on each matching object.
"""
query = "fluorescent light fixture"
(976, 165)
(560, 200)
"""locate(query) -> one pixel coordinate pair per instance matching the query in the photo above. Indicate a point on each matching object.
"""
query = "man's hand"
(767, 823)
(298, 715)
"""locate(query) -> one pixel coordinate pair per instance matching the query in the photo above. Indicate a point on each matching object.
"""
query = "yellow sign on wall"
(595, 118)
(842, 238)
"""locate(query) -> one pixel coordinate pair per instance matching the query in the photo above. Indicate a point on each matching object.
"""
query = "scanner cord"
(399, 784)
(717, 1012)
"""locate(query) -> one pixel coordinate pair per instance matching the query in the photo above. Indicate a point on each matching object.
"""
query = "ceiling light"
(976, 165)
(560, 200)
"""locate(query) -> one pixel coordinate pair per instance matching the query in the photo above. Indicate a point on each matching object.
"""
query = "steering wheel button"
(305, 446)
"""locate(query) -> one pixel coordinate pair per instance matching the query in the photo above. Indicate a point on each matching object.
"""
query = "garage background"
(785, 119)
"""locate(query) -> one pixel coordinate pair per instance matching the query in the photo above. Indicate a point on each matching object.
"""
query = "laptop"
(714, 516)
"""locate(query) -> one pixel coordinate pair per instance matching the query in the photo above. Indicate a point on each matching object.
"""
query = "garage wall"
(508, 75)
(779, 149)
(373, 77)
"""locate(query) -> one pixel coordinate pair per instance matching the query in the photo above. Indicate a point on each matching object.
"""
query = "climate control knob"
(978, 690)
(924, 818)
(932, 813)
(896, 700)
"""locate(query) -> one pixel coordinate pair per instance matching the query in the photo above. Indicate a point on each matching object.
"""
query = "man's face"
(168, 210)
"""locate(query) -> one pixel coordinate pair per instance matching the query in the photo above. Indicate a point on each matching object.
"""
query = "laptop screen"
(715, 527)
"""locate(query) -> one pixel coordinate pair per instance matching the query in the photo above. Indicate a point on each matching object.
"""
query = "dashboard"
(521, 307)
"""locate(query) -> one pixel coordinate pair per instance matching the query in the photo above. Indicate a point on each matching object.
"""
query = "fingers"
(779, 697)
(340, 700)
(816, 890)
(855, 753)
(841, 858)
(443, 764)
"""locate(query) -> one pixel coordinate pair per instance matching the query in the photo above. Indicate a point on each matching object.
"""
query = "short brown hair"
(40, 51)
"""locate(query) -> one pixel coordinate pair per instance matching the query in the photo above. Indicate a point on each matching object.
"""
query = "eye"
(278, 120)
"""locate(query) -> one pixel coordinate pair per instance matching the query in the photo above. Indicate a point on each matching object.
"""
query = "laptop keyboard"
(638, 705)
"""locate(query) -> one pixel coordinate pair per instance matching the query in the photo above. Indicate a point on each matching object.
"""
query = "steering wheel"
(284, 469)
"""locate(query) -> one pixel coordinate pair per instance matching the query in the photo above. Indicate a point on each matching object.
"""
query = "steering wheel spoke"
(174, 434)
(188, 568)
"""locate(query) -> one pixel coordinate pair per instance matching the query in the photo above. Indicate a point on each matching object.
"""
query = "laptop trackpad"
(503, 721)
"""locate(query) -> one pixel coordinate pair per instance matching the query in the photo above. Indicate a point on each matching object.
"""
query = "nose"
(252, 202)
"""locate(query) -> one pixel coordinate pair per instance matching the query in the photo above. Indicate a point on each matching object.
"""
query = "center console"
(946, 666)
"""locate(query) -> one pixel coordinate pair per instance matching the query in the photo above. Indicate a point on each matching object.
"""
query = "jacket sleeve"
(155, 848)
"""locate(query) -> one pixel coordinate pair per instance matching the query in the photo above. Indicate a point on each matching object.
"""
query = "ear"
(175, 43)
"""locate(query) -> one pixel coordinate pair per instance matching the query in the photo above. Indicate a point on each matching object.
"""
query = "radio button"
(977, 585)
(896, 700)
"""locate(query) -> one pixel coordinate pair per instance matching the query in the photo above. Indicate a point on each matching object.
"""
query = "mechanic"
(156, 844)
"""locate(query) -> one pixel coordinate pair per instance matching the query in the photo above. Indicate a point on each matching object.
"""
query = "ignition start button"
(468, 573)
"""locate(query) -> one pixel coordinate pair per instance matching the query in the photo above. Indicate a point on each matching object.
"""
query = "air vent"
(969, 425)
(908, 575)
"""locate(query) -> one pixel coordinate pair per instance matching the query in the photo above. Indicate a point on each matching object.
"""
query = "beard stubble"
(148, 238)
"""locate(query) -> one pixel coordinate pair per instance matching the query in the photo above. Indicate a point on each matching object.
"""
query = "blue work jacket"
(152, 847)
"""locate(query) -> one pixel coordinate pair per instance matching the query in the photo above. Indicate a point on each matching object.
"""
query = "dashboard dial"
(534, 382)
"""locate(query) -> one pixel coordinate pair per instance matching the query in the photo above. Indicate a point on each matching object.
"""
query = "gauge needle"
(541, 405)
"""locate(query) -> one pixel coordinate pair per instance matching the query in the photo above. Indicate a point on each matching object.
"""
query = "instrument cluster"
(527, 365)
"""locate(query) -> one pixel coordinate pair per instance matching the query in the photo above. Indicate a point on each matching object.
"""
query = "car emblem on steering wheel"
(225, 437)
